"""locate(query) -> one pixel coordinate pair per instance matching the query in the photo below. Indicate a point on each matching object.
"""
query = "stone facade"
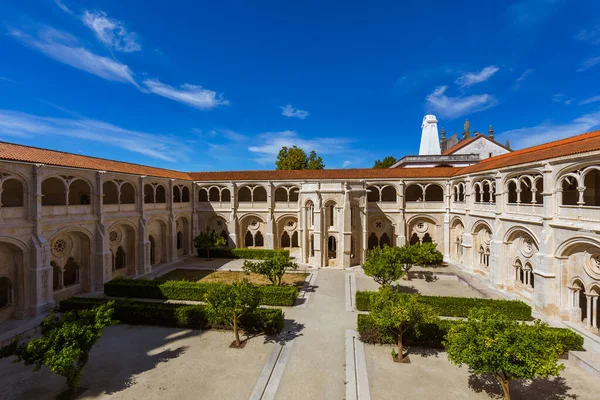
(530, 229)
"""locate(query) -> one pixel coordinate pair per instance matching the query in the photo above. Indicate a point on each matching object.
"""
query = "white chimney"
(430, 141)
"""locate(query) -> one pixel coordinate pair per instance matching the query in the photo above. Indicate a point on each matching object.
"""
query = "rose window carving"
(114, 237)
(421, 227)
(592, 267)
(61, 247)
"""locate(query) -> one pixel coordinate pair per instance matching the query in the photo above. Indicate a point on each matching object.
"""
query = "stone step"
(587, 361)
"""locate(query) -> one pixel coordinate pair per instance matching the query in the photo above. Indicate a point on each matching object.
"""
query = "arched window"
(225, 195)
(225, 236)
(293, 196)
(176, 194)
(434, 193)
(373, 194)
(373, 241)
(110, 193)
(487, 256)
(54, 192)
(331, 209)
(312, 245)
(71, 272)
(281, 194)
(161, 195)
(331, 247)
(570, 194)
(285, 240)
(478, 193)
(427, 238)
(148, 194)
(259, 240)
(481, 255)
(244, 194)
(185, 195)
(120, 258)
(79, 192)
(5, 292)
(248, 239)
(388, 194)
(591, 194)
(202, 195)
(213, 194)
(487, 192)
(259, 194)
(414, 239)
(127, 193)
(295, 239)
(413, 193)
(385, 240)
(512, 192)
(526, 194)
(179, 240)
(539, 189)
(310, 213)
(57, 278)
(12, 193)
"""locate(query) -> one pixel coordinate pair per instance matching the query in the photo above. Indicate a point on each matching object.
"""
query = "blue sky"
(222, 85)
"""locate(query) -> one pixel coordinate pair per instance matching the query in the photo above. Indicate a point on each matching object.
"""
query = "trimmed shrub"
(459, 306)
(250, 254)
(432, 335)
(193, 291)
(267, 320)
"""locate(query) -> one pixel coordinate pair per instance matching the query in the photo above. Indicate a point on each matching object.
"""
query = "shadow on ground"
(406, 289)
(547, 389)
(307, 289)
(291, 330)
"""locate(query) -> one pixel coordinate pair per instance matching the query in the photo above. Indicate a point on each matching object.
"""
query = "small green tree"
(397, 312)
(228, 303)
(490, 343)
(425, 254)
(273, 268)
(296, 158)
(384, 265)
(386, 162)
(65, 344)
(314, 161)
(207, 241)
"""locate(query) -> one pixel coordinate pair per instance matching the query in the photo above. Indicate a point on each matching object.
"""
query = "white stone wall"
(483, 147)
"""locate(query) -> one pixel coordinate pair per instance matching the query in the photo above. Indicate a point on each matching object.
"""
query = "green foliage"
(249, 254)
(267, 320)
(231, 302)
(295, 158)
(384, 265)
(386, 162)
(273, 268)
(397, 312)
(491, 343)
(66, 342)
(425, 254)
(208, 240)
(458, 306)
(193, 291)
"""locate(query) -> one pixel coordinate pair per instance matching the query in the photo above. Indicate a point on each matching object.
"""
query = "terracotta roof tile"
(16, 152)
(573, 145)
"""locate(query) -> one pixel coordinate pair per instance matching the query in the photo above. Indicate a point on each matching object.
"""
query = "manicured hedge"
(432, 335)
(267, 320)
(459, 306)
(250, 254)
(194, 291)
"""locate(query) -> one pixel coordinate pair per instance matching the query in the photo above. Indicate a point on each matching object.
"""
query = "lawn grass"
(296, 279)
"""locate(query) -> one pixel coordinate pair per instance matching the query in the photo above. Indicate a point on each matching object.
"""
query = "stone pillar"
(143, 254)
(345, 226)
(233, 217)
(401, 223)
(320, 254)
(446, 226)
(594, 311)
(103, 256)
(302, 232)
(269, 240)
(588, 321)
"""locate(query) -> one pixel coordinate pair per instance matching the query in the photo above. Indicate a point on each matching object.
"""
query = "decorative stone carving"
(62, 246)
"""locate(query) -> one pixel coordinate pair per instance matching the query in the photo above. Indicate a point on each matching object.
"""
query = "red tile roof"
(559, 148)
(17, 152)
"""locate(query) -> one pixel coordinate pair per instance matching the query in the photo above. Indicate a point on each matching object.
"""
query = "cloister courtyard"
(316, 356)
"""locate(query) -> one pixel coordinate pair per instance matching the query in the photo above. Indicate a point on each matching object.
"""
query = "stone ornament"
(62, 246)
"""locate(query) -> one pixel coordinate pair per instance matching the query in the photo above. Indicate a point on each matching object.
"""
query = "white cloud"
(589, 63)
(163, 147)
(191, 95)
(111, 32)
(64, 48)
(589, 100)
(227, 134)
(472, 78)
(63, 6)
(522, 78)
(561, 98)
(346, 163)
(454, 107)
(290, 111)
(2, 78)
(591, 35)
(270, 143)
(548, 131)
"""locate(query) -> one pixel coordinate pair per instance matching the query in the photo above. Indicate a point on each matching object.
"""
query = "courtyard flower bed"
(193, 291)
(267, 320)
(228, 277)
(249, 254)
(458, 306)
(432, 335)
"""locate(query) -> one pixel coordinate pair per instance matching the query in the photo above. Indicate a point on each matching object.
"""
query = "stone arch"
(331, 248)
(202, 195)
(421, 225)
(294, 194)
(414, 192)
(127, 193)
(482, 237)
(158, 237)
(389, 194)
(160, 194)
(253, 224)
(373, 193)
(122, 238)
(182, 226)
(378, 226)
(457, 229)
(259, 194)
(15, 293)
(12, 192)
(287, 229)
(149, 197)
(176, 194)
(110, 192)
(54, 191)
(80, 192)
(225, 195)
(281, 194)
(433, 192)
(330, 213)
(244, 194)
(72, 249)
(185, 194)
(514, 231)
(214, 194)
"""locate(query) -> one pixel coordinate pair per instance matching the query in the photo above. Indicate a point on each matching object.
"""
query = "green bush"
(250, 254)
(432, 335)
(269, 321)
(192, 291)
(459, 306)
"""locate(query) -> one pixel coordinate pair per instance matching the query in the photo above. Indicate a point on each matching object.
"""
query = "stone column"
(401, 222)
(588, 321)
(320, 254)
(269, 240)
(302, 232)
(345, 226)
(233, 217)
(594, 311)
(446, 227)
(143, 253)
